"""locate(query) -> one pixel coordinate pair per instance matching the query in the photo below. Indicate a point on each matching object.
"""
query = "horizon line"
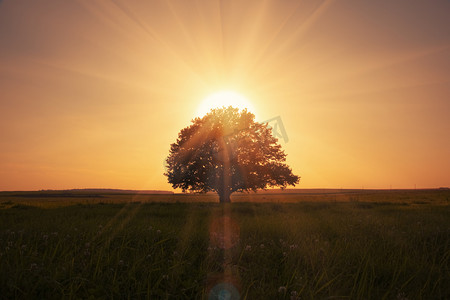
(158, 191)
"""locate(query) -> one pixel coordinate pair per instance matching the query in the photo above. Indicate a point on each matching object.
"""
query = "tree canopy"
(226, 151)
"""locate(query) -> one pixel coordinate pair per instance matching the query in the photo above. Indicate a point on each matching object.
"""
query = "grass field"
(312, 245)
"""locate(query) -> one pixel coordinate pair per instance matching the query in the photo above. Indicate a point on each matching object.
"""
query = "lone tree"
(227, 151)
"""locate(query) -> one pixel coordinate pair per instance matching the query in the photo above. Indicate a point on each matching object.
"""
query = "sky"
(92, 93)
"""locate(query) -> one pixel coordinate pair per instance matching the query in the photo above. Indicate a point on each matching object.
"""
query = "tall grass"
(319, 251)
(310, 250)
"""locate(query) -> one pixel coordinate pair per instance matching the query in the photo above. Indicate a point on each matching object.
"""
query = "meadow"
(310, 245)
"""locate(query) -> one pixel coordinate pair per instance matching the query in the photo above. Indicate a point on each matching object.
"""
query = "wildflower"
(248, 248)
(294, 295)
(262, 246)
(282, 289)
(158, 231)
(401, 296)
(165, 276)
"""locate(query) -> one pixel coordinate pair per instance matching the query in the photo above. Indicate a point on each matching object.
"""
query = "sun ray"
(381, 65)
(151, 33)
(264, 57)
(247, 46)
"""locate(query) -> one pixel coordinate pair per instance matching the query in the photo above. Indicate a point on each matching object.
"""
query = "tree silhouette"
(227, 151)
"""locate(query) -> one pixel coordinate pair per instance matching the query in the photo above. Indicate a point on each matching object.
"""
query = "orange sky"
(92, 93)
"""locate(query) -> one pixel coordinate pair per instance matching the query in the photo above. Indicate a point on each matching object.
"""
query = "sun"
(224, 98)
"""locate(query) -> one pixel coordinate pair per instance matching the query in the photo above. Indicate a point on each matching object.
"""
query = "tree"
(227, 151)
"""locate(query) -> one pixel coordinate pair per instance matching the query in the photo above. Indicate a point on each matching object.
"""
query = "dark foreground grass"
(308, 250)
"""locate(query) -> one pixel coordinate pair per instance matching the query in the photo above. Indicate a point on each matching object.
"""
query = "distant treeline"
(80, 193)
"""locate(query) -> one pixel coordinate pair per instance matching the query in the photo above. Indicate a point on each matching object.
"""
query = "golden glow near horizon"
(224, 98)
(92, 93)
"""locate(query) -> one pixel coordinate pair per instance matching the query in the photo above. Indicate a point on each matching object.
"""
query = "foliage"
(227, 151)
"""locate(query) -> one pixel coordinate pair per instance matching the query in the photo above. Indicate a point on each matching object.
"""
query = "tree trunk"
(224, 196)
